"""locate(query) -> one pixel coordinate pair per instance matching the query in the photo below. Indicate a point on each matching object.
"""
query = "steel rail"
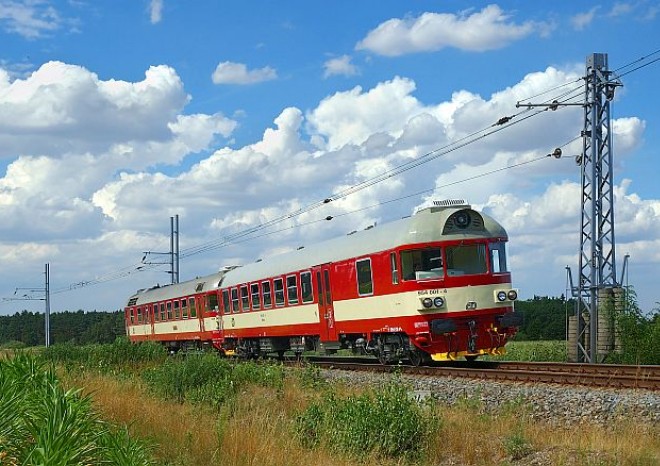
(592, 375)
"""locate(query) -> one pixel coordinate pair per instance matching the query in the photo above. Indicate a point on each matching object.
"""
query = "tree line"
(544, 319)
(28, 328)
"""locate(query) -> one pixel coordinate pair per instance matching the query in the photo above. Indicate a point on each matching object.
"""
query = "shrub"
(387, 422)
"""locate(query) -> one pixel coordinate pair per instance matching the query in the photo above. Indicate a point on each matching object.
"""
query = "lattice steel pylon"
(597, 264)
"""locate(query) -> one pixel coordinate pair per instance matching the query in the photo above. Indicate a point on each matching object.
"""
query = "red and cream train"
(432, 285)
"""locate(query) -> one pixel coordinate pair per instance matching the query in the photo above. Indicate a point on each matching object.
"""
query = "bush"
(387, 422)
(13, 345)
(640, 334)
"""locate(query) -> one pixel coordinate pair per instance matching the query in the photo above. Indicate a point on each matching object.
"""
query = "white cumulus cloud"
(237, 73)
(488, 29)
(340, 66)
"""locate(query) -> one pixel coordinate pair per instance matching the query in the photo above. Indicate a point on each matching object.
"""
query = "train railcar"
(183, 315)
(434, 285)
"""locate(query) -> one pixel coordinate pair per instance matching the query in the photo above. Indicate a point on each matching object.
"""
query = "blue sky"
(115, 116)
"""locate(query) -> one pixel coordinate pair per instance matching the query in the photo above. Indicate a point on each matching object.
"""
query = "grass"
(534, 351)
(202, 410)
(337, 424)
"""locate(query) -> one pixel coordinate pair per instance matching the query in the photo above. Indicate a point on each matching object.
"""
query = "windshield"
(421, 264)
(468, 259)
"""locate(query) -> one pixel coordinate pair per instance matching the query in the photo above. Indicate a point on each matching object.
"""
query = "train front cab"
(464, 298)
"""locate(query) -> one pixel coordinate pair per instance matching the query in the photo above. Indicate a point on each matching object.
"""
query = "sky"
(242, 117)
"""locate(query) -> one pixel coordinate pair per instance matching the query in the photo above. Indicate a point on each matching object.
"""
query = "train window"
(497, 257)
(176, 309)
(154, 310)
(169, 311)
(245, 299)
(130, 312)
(234, 300)
(225, 301)
(328, 294)
(319, 287)
(139, 315)
(422, 264)
(212, 302)
(256, 298)
(364, 278)
(292, 289)
(466, 259)
(394, 268)
(267, 298)
(162, 311)
(279, 292)
(193, 308)
(184, 308)
(306, 287)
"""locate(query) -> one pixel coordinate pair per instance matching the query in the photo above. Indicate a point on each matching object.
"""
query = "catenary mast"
(597, 264)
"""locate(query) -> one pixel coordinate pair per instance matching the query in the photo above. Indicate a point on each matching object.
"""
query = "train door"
(326, 306)
(152, 317)
(199, 306)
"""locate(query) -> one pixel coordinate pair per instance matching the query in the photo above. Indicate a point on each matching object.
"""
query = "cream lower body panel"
(410, 303)
(276, 317)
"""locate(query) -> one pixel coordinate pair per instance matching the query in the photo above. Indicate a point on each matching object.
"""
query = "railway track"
(593, 375)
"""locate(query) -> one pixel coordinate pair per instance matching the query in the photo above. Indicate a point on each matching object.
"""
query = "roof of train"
(427, 225)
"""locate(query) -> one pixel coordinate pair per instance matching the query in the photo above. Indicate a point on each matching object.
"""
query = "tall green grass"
(41, 423)
(117, 356)
(206, 378)
(533, 351)
(387, 422)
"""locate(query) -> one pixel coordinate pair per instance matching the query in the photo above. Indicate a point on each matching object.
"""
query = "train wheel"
(416, 357)
(471, 358)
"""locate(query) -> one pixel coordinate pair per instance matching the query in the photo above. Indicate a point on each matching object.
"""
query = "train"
(432, 286)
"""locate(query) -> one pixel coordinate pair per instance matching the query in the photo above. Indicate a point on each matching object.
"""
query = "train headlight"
(512, 295)
(427, 302)
(501, 295)
(462, 220)
(438, 302)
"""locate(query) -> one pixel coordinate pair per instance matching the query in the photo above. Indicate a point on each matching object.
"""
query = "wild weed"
(387, 422)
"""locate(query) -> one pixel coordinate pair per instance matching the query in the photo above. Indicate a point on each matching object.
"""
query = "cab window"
(422, 264)
(212, 302)
(497, 257)
(466, 259)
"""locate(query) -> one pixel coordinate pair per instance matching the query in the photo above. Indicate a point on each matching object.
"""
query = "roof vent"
(451, 203)
(227, 268)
